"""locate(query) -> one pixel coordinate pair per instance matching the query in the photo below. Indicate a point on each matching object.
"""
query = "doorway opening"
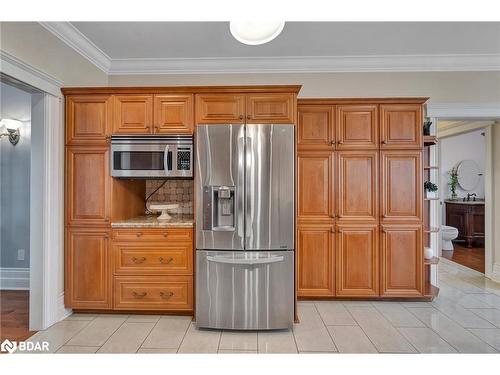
(463, 178)
(15, 197)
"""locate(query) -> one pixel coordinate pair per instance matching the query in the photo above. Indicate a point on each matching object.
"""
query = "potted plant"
(453, 182)
(427, 127)
(430, 189)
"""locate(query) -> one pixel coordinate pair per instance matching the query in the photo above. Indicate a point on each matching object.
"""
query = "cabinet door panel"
(315, 261)
(133, 114)
(220, 109)
(402, 186)
(401, 126)
(173, 114)
(357, 127)
(87, 272)
(315, 127)
(270, 108)
(357, 260)
(87, 186)
(401, 260)
(315, 188)
(357, 182)
(88, 119)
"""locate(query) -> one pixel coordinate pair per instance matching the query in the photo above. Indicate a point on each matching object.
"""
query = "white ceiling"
(195, 47)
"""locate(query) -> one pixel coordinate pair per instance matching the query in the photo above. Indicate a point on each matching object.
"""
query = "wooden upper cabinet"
(173, 114)
(357, 127)
(270, 108)
(88, 119)
(87, 185)
(88, 274)
(357, 260)
(401, 126)
(315, 127)
(357, 186)
(401, 186)
(315, 185)
(315, 261)
(401, 260)
(220, 109)
(133, 114)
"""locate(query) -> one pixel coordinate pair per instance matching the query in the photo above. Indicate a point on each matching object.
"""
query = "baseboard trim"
(62, 311)
(14, 278)
(495, 275)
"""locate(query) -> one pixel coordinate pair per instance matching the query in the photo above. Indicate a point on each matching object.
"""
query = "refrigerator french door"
(244, 183)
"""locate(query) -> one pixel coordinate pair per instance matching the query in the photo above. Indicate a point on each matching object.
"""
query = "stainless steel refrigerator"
(244, 181)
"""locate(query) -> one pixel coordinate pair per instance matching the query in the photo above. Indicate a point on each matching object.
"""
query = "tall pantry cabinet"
(359, 198)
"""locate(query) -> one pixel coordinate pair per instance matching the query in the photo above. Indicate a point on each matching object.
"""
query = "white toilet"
(448, 233)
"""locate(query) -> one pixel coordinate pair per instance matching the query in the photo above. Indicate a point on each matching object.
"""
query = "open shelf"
(429, 167)
(431, 230)
(433, 260)
(430, 140)
(431, 199)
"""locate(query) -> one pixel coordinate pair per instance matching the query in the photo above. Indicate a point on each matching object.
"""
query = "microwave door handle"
(165, 160)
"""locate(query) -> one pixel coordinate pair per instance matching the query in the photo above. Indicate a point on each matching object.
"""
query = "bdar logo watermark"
(8, 346)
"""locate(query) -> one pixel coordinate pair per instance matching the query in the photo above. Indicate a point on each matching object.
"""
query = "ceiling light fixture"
(10, 128)
(255, 32)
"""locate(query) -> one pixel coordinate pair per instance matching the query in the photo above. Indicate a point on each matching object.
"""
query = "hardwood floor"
(14, 315)
(468, 257)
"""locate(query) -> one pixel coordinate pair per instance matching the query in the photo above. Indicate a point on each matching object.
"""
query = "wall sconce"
(10, 128)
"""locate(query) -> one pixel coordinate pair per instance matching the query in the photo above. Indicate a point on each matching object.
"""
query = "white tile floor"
(465, 318)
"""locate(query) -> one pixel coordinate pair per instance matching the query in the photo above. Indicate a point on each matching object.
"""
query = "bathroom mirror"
(468, 174)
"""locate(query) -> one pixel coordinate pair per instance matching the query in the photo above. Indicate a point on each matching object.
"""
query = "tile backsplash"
(174, 191)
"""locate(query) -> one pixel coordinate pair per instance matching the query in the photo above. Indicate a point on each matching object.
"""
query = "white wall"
(15, 180)
(454, 149)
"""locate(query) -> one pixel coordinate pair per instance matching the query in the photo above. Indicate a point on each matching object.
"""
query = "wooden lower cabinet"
(153, 293)
(88, 275)
(315, 260)
(401, 260)
(357, 260)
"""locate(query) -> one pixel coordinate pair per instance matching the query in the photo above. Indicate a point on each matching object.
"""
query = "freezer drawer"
(244, 290)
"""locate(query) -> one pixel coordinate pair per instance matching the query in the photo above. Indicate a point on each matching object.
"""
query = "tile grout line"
(76, 333)
(145, 338)
(362, 330)
(184, 336)
(112, 334)
(324, 325)
(472, 333)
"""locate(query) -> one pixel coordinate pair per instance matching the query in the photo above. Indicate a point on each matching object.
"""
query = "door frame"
(46, 299)
(480, 111)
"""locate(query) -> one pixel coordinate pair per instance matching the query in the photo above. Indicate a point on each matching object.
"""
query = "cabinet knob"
(165, 234)
(384, 142)
(138, 260)
(156, 129)
(168, 261)
(340, 142)
(241, 117)
(138, 234)
(332, 230)
(249, 117)
(332, 142)
(139, 295)
(108, 138)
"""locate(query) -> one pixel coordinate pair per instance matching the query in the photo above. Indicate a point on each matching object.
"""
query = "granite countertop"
(461, 201)
(151, 221)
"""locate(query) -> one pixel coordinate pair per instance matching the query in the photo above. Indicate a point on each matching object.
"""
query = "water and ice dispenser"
(218, 208)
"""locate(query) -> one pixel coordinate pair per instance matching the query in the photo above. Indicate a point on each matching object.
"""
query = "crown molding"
(285, 64)
(80, 43)
(18, 69)
(309, 64)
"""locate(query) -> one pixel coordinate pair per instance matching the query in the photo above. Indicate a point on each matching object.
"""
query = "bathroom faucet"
(471, 195)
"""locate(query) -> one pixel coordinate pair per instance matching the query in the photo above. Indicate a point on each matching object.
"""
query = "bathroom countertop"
(151, 221)
(460, 201)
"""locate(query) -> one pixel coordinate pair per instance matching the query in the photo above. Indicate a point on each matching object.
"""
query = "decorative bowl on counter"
(164, 209)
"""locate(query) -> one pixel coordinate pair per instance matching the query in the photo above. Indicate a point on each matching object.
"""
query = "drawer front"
(153, 293)
(171, 258)
(144, 234)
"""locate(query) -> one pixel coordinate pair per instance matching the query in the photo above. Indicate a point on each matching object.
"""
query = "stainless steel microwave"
(151, 156)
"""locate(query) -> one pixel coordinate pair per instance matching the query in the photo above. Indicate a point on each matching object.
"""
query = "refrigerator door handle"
(248, 188)
(240, 189)
(227, 260)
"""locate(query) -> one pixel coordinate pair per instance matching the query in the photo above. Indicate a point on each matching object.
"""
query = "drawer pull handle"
(139, 295)
(138, 260)
(168, 261)
(138, 234)
(166, 295)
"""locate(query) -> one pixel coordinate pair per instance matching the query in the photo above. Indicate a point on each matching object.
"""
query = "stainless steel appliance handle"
(240, 188)
(227, 260)
(248, 186)
(165, 159)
